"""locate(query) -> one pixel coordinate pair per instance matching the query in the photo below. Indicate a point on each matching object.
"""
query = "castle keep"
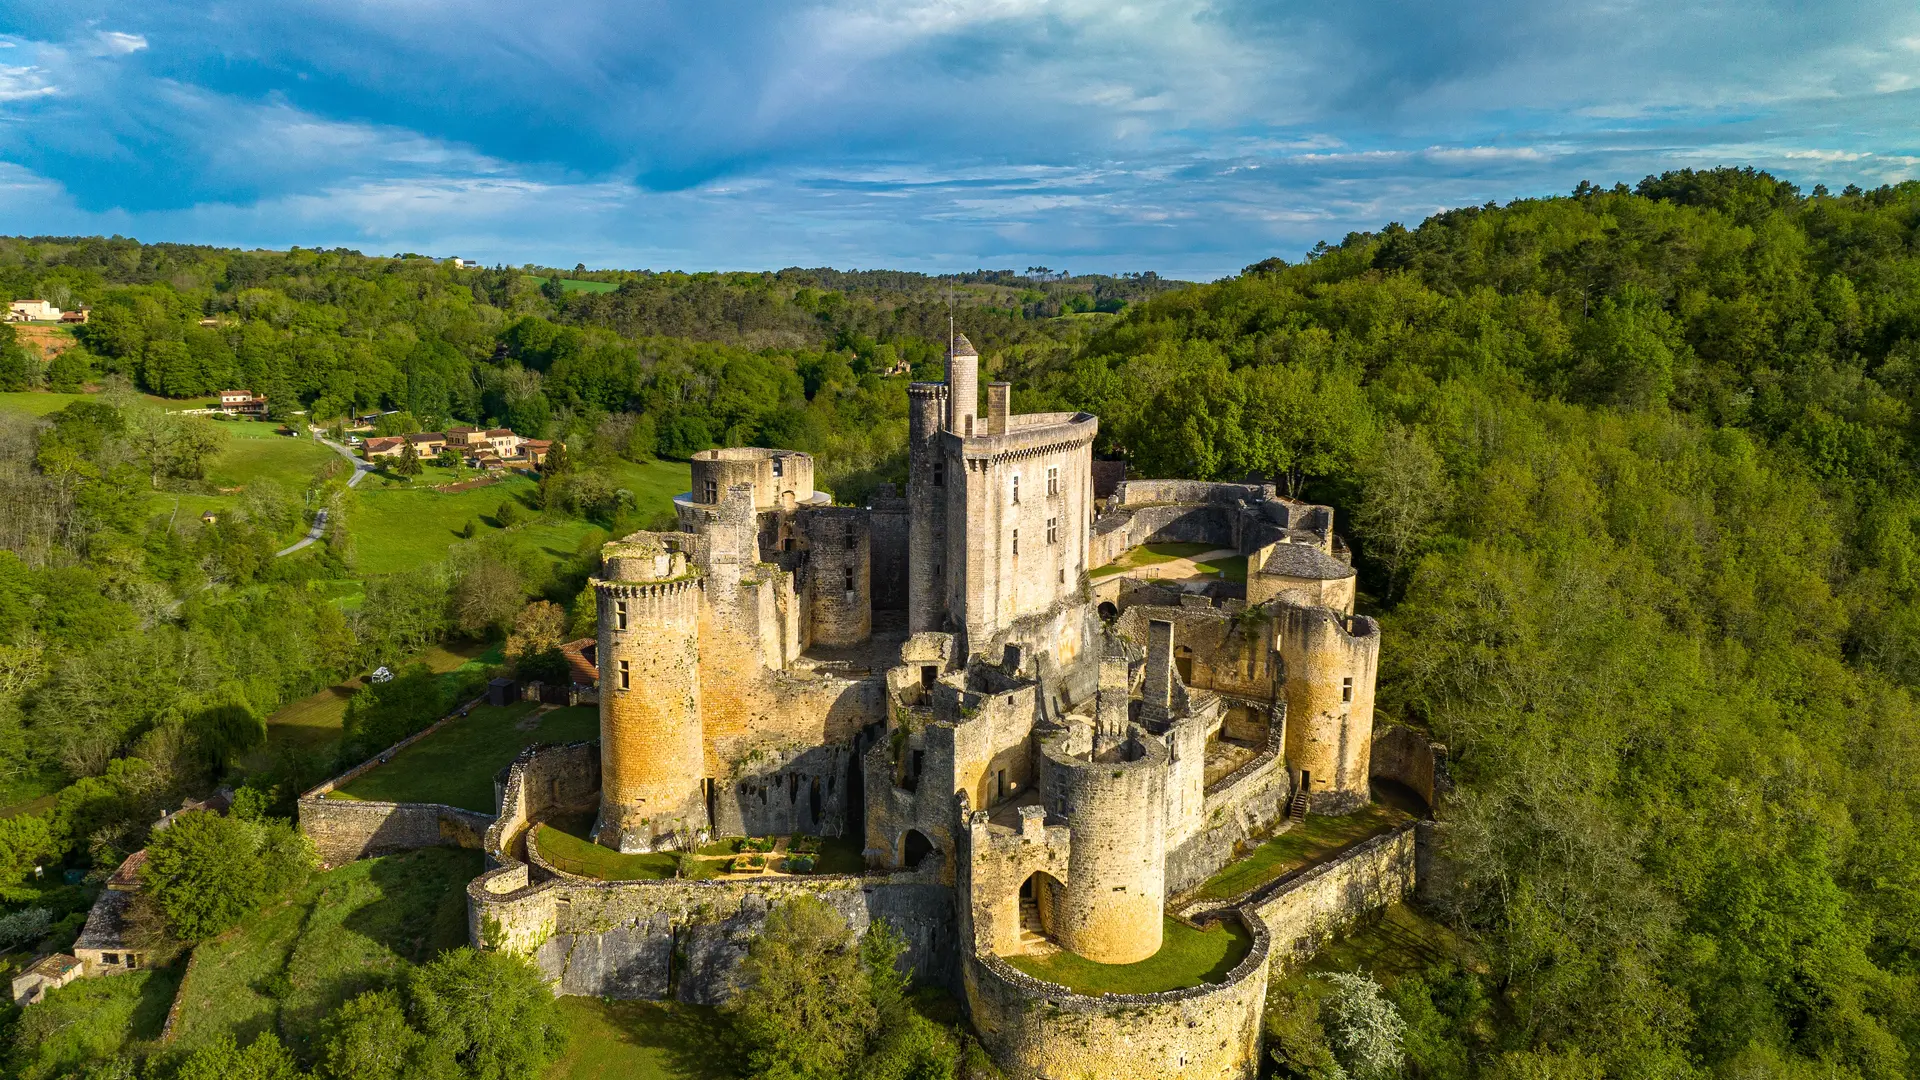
(1032, 757)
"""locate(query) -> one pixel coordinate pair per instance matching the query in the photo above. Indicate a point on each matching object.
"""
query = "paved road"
(360, 469)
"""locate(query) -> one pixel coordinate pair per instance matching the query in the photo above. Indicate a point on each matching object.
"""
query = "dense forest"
(1628, 473)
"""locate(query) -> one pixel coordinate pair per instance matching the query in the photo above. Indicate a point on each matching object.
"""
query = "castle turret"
(1114, 803)
(1330, 664)
(963, 387)
(651, 749)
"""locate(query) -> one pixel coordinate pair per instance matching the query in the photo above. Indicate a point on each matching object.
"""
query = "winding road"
(360, 469)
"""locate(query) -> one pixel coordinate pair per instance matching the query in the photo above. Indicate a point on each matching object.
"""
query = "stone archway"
(1039, 895)
(1107, 611)
(914, 847)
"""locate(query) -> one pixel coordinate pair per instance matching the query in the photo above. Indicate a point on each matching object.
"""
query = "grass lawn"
(353, 929)
(36, 403)
(578, 855)
(456, 764)
(1233, 569)
(315, 720)
(1153, 555)
(399, 525)
(1187, 957)
(643, 1040)
(1321, 837)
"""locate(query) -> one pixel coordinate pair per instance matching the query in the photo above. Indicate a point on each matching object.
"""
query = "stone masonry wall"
(344, 830)
(1305, 910)
(1039, 1031)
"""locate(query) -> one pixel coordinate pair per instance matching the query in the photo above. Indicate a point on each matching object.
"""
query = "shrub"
(487, 1015)
(204, 871)
(369, 1039)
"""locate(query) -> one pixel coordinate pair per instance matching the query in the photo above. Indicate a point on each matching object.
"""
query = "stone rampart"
(1039, 1031)
(1408, 757)
(658, 939)
(1305, 909)
(343, 830)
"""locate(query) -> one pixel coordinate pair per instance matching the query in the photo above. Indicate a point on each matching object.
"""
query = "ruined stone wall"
(992, 751)
(343, 830)
(1243, 808)
(804, 792)
(685, 939)
(999, 863)
(1112, 905)
(1331, 663)
(651, 742)
(1401, 754)
(777, 477)
(898, 803)
(1039, 1031)
(840, 568)
(889, 530)
(1228, 654)
(1148, 492)
(1305, 910)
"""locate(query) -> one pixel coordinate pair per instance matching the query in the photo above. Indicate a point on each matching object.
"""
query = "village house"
(46, 973)
(385, 446)
(427, 443)
(504, 442)
(242, 403)
(79, 316)
(104, 947)
(32, 311)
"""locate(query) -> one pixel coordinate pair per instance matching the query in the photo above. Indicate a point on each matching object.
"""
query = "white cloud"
(23, 83)
(115, 43)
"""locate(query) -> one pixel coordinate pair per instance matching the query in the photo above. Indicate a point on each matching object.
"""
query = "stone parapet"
(1037, 1030)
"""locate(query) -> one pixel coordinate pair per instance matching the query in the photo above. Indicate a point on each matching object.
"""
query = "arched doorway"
(1039, 895)
(1108, 611)
(914, 846)
(1183, 663)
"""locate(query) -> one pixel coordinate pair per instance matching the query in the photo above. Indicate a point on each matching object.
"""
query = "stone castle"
(1034, 757)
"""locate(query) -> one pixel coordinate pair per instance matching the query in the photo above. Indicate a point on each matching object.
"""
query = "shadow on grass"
(421, 910)
(156, 998)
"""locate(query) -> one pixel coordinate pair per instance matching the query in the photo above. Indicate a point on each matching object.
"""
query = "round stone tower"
(1331, 663)
(927, 482)
(1114, 803)
(652, 754)
(963, 387)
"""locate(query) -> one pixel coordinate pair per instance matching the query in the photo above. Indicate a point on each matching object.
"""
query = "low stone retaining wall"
(343, 830)
(665, 939)
(1039, 1031)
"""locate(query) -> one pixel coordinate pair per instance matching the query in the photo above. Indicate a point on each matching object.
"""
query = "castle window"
(849, 571)
(626, 675)
(853, 536)
(1053, 480)
(969, 427)
(1016, 541)
(712, 491)
(939, 474)
(779, 466)
(1053, 530)
(1016, 487)
(1346, 689)
(619, 614)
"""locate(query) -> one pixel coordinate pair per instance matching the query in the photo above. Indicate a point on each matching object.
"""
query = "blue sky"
(1187, 136)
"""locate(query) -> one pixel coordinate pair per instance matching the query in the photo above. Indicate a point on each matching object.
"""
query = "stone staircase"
(1031, 937)
(1297, 807)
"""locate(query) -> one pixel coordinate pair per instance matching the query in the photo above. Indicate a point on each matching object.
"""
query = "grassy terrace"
(643, 1040)
(564, 843)
(1319, 839)
(1187, 957)
(1233, 568)
(352, 929)
(456, 764)
(1153, 555)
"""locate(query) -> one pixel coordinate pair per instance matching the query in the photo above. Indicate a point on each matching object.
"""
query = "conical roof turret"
(961, 346)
